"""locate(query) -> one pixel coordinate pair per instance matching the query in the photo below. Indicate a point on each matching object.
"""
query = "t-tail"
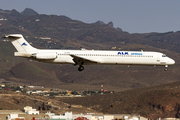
(22, 46)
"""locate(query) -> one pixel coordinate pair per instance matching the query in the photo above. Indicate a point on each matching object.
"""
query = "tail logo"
(24, 44)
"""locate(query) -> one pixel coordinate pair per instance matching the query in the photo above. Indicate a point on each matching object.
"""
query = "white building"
(33, 112)
(67, 115)
(2, 19)
(170, 119)
(35, 87)
(70, 116)
(108, 117)
(97, 117)
(30, 111)
(14, 116)
(49, 114)
(45, 38)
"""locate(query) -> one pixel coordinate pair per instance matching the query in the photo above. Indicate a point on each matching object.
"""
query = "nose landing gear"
(166, 68)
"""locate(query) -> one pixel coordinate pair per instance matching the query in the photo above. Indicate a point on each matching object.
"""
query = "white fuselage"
(106, 57)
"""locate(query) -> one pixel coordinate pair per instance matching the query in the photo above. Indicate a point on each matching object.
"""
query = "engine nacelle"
(45, 56)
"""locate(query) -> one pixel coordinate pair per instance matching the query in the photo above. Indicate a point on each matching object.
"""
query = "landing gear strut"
(165, 69)
(81, 68)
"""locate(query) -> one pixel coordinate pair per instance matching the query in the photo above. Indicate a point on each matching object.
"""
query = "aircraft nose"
(171, 61)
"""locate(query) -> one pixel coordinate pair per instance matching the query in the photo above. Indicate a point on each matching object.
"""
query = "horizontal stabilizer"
(12, 36)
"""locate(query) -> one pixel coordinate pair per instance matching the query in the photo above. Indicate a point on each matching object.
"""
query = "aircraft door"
(158, 58)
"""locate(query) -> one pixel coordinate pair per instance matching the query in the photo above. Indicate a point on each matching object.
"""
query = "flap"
(82, 60)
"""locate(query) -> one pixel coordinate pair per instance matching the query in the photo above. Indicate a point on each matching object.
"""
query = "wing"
(82, 60)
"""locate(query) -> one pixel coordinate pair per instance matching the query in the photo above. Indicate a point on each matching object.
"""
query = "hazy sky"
(133, 16)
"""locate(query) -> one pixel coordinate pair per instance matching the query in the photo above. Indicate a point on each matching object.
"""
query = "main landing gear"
(81, 68)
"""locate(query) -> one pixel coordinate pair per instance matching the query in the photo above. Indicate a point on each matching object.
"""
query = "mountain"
(110, 24)
(65, 33)
(168, 40)
(37, 74)
(29, 12)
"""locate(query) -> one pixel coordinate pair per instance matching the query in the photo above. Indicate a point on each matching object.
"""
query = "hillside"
(65, 33)
(17, 101)
(152, 102)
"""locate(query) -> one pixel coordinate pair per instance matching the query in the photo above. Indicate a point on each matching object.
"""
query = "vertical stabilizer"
(20, 43)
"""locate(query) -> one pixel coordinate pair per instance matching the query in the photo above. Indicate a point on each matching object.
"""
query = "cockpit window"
(164, 55)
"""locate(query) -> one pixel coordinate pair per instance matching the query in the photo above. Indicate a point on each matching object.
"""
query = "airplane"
(87, 57)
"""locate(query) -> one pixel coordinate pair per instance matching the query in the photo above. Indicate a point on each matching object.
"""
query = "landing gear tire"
(165, 69)
(81, 68)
